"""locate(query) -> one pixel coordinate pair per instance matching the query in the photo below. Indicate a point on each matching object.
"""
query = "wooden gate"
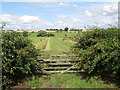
(60, 65)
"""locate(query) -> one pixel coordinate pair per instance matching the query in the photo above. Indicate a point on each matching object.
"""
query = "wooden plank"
(50, 72)
(60, 68)
(60, 64)
(60, 60)
(62, 55)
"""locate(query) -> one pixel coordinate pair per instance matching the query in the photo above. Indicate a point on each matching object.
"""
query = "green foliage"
(18, 58)
(25, 33)
(66, 29)
(50, 35)
(99, 51)
(44, 34)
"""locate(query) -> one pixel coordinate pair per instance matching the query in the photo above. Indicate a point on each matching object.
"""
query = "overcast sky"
(42, 15)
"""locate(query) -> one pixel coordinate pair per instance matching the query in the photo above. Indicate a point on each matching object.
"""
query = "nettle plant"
(99, 51)
(18, 58)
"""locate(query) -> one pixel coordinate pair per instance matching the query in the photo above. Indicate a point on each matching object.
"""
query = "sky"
(36, 15)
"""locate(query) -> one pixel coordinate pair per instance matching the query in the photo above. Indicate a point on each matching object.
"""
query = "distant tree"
(41, 34)
(60, 29)
(66, 29)
(32, 32)
(50, 35)
(3, 25)
(44, 34)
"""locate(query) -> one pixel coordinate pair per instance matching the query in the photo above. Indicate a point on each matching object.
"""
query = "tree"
(66, 29)
(3, 25)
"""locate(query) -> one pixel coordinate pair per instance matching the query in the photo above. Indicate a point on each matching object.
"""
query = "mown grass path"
(48, 44)
(57, 46)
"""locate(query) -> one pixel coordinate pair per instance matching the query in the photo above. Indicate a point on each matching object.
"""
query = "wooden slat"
(60, 64)
(50, 72)
(61, 60)
(60, 68)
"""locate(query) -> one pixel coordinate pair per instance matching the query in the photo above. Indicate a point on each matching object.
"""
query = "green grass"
(62, 34)
(67, 81)
(58, 46)
(35, 82)
(33, 37)
(74, 81)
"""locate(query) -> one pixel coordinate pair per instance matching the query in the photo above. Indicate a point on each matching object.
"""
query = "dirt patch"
(22, 85)
(42, 44)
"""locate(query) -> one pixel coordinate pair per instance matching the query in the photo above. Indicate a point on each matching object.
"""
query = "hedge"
(18, 58)
(99, 52)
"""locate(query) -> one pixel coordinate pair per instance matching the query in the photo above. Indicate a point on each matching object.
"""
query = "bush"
(41, 34)
(18, 58)
(50, 35)
(99, 51)
(44, 34)
(25, 33)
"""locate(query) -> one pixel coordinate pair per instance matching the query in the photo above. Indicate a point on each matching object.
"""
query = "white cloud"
(76, 20)
(74, 5)
(61, 16)
(24, 22)
(28, 19)
(28, 0)
(62, 24)
(103, 21)
(49, 24)
(110, 8)
(88, 13)
(60, 0)
(103, 14)
(59, 22)
(6, 17)
(63, 4)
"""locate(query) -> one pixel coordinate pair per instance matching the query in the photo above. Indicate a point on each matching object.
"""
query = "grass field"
(33, 37)
(56, 44)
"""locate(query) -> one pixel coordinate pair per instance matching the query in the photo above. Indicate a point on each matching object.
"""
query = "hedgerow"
(18, 58)
(99, 52)
(44, 34)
